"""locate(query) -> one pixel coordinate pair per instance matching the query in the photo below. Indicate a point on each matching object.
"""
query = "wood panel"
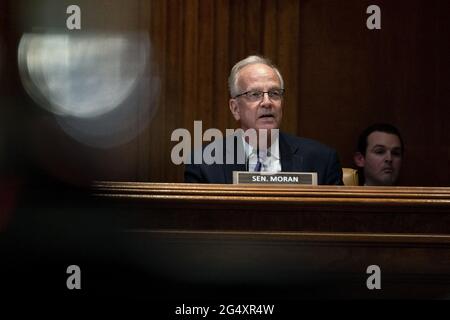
(340, 76)
(239, 207)
(223, 241)
(391, 75)
(296, 265)
(319, 239)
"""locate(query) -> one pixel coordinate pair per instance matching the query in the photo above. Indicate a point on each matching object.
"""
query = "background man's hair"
(234, 74)
(380, 127)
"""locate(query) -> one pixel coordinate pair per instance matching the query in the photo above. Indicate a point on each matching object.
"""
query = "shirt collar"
(274, 149)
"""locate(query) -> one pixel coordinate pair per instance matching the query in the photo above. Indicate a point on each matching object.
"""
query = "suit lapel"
(290, 160)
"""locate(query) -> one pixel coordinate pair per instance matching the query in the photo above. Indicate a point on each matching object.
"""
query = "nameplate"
(246, 177)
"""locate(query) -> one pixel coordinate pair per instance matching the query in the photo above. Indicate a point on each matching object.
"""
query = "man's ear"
(359, 159)
(234, 108)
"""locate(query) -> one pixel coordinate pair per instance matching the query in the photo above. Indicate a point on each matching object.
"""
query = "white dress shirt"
(270, 159)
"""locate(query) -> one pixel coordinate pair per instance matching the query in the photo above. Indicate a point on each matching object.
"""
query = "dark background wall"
(340, 77)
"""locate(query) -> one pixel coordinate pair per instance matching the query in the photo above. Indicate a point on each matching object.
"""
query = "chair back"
(350, 177)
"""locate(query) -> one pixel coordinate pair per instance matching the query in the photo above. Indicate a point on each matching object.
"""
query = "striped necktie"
(258, 165)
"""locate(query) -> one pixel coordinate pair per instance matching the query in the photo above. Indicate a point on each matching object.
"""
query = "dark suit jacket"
(297, 155)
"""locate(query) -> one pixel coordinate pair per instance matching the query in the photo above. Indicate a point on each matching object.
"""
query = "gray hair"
(233, 78)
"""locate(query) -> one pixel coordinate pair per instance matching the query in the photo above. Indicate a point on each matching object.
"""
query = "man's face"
(265, 113)
(383, 159)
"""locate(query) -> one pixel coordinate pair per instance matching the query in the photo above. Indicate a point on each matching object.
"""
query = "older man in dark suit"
(256, 89)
